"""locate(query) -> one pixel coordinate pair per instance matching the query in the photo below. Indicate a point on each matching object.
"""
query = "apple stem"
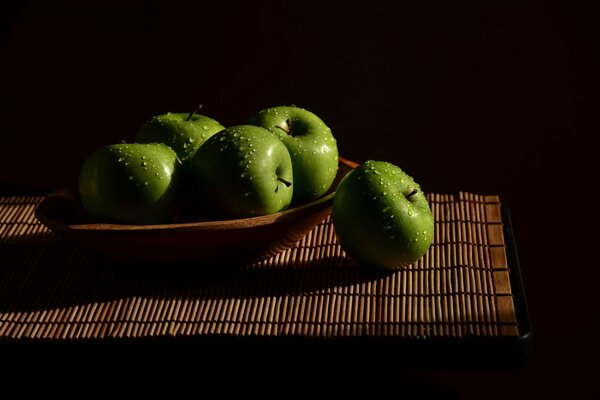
(288, 127)
(190, 115)
(286, 183)
(414, 191)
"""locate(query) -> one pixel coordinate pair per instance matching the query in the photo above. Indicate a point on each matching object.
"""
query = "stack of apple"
(190, 166)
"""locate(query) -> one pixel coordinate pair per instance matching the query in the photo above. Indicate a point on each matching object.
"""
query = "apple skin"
(176, 131)
(377, 220)
(311, 145)
(236, 173)
(131, 184)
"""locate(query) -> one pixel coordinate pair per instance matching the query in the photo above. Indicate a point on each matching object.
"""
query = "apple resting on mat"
(382, 217)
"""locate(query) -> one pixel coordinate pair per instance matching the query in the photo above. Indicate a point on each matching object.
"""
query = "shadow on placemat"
(42, 272)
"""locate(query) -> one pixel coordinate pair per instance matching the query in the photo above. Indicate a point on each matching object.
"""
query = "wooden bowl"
(237, 240)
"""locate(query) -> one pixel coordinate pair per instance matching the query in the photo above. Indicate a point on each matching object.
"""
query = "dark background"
(488, 97)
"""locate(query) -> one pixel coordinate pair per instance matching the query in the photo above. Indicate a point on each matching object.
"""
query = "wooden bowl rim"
(239, 223)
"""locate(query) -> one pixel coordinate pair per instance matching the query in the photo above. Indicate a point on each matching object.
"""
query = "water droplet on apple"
(146, 183)
(314, 153)
(315, 141)
(205, 127)
(143, 157)
(131, 177)
(156, 173)
(191, 140)
(144, 163)
(121, 159)
(384, 194)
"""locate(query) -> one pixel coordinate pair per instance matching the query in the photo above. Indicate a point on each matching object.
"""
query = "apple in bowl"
(312, 146)
(242, 171)
(131, 184)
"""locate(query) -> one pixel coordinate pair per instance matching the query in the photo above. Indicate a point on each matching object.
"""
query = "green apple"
(381, 216)
(182, 132)
(242, 171)
(311, 145)
(130, 184)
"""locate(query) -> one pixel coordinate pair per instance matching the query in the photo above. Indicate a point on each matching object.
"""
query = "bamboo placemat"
(50, 289)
